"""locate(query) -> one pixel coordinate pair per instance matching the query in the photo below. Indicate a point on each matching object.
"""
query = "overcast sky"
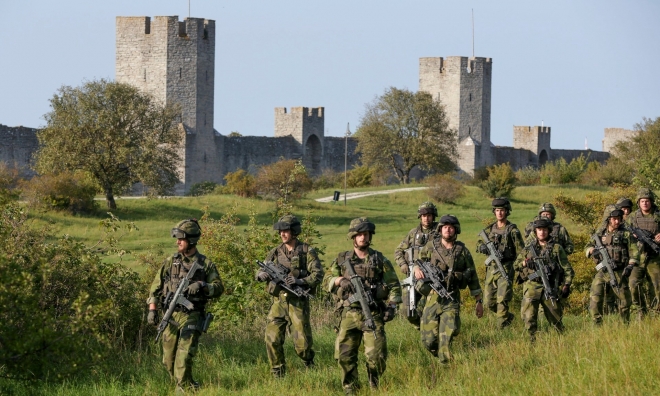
(578, 66)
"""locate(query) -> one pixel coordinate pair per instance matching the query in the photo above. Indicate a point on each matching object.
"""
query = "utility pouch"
(207, 322)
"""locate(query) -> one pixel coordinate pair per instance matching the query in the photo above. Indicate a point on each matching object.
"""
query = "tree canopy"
(114, 133)
(639, 155)
(402, 129)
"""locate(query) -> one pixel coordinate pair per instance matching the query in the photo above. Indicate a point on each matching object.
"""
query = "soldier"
(622, 254)
(410, 246)
(508, 241)
(647, 217)
(560, 273)
(287, 309)
(625, 205)
(557, 231)
(180, 342)
(379, 279)
(440, 320)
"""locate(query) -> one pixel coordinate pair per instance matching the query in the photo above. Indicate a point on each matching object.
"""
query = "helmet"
(451, 220)
(548, 207)
(645, 193)
(188, 229)
(502, 203)
(612, 211)
(624, 203)
(288, 222)
(542, 222)
(361, 224)
(427, 208)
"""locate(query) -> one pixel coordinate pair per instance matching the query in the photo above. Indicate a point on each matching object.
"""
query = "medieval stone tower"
(463, 86)
(535, 139)
(306, 126)
(175, 62)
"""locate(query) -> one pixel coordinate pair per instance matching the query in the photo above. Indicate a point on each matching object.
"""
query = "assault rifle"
(409, 282)
(278, 273)
(177, 298)
(495, 256)
(433, 275)
(542, 271)
(606, 261)
(644, 236)
(361, 295)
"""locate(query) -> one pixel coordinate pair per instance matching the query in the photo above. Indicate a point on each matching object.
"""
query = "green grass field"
(610, 360)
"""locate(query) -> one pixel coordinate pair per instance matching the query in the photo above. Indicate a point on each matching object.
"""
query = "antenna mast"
(188, 9)
(472, 32)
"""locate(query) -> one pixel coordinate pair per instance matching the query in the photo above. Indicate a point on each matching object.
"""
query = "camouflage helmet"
(451, 220)
(288, 222)
(542, 222)
(645, 193)
(188, 229)
(624, 203)
(427, 208)
(361, 224)
(548, 207)
(501, 203)
(611, 211)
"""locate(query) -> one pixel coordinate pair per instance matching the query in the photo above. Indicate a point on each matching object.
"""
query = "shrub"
(240, 183)
(613, 172)
(562, 172)
(501, 181)
(444, 188)
(328, 179)
(360, 176)
(66, 191)
(528, 176)
(285, 180)
(201, 188)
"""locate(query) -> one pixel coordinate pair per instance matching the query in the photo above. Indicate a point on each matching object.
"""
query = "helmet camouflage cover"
(361, 224)
(502, 203)
(542, 222)
(427, 208)
(645, 193)
(188, 229)
(451, 220)
(611, 211)
(624, 203)
(288, 222)
(548, 207)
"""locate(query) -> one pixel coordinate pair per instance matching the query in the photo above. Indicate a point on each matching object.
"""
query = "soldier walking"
(288, 310)
(378, 279)
(557, 231)
(181, 336)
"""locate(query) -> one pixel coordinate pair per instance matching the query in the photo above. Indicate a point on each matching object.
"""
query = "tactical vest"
(648, 223)
(420, 239)
(503, 241)
(452, 263)
(298, 261)
(370, 270)
(547, 253)
(178, 271)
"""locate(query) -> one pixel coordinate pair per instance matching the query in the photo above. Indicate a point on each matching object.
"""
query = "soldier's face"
(448, 231)
(286, 236)
(427, 220)
(645, 205)
(614, 222)
(547, 215)
(182, 245)
(500, 213)
(626, 210)
(361, 240)
(542, 233)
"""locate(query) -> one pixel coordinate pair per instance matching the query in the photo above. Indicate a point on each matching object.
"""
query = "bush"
(562, 172)
(613, 172)
(201, 188)
(528, 176)
(283, 180)
(240, 183)
(69, 192)
(328, 179)
(501, 181)
(444, 188)
(360, 176)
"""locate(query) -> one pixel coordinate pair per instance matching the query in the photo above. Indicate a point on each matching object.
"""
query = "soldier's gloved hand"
(483, 249)
(390, 312)
(405, 269)
(292, 280)
(596, 255)
(346, 284)
(565, 291)
(628, 270)
(194, 288)
(262, 276)
(152, 318)
(529, 263)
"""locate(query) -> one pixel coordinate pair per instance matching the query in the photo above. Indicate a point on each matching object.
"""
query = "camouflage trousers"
(601, 288)
(414, 316)
(292, 312)
(441, 322)
(533, 297)
(650, 272)
(498, 293)
(351, 333)
(180, 346)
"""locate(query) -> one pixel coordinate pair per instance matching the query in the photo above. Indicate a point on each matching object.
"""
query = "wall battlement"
(612, 136)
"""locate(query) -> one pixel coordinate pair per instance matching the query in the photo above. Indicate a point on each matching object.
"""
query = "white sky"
(580, 66)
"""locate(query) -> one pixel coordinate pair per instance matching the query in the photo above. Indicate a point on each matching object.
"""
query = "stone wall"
(614, 135)
(17, 146)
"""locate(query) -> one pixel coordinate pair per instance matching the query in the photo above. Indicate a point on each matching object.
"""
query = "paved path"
(356, 195)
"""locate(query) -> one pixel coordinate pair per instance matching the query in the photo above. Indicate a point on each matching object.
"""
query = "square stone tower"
(463, 86)
(175, 62)
(536, 139)
(306, 125)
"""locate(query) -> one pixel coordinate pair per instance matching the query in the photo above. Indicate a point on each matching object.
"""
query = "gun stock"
(494, 256)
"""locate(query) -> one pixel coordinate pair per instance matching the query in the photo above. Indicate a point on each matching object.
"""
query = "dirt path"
(356, 195)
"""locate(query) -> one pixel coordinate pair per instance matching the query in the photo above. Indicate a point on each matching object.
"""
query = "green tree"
(115, 134)
(402, 129)
(285, 180)
(641, 153)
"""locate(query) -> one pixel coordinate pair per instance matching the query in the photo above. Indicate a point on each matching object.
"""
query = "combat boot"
(278, 372)
(373, 381)
(309, 364)
(508, 321)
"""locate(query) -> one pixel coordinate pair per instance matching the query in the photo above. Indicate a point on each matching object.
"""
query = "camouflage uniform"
(621, 252)
(290, 311)
(561, 272)
(441, 320)
(415, 241)
(379, 279)
(557, 231)
(649, 261)
(180, 343)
